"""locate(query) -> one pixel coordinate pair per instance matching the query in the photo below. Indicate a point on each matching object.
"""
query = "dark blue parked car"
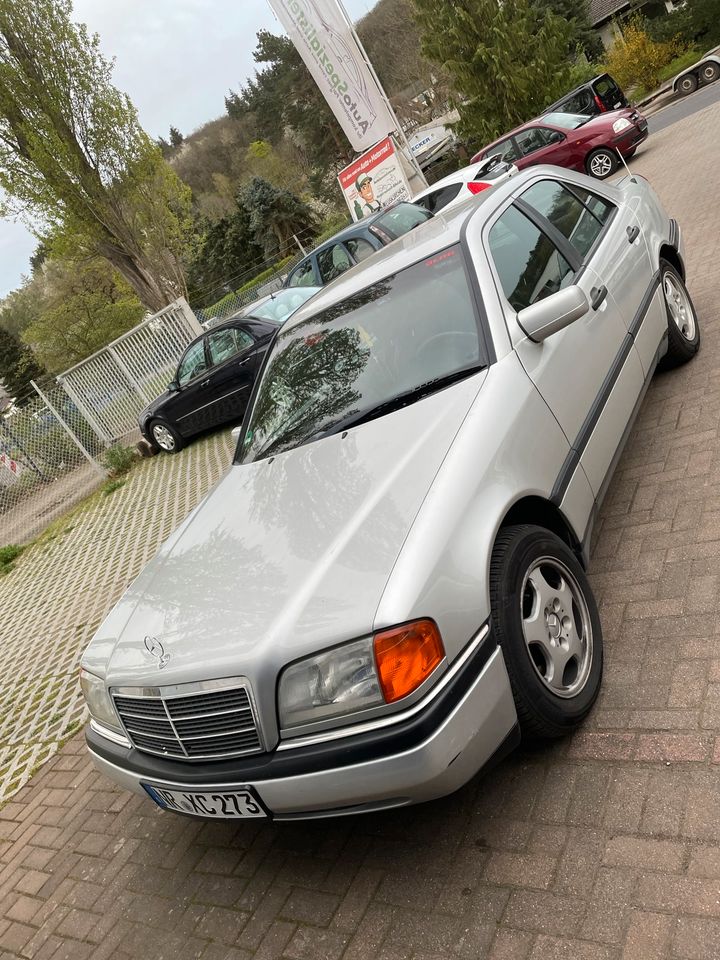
(355, 243)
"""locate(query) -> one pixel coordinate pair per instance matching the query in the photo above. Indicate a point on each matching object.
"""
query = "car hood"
(285, 556)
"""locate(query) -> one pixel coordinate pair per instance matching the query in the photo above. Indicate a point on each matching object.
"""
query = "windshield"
(408, 332)
(568, 121)
(279, 306)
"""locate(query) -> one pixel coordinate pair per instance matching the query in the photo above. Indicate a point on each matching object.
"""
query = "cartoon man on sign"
(369, 204)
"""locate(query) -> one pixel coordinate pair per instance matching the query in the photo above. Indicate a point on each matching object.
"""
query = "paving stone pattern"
(605, 846)
(55, 598)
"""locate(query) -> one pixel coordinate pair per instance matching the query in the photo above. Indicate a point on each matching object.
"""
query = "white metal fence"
(111, 387)
(51, 446)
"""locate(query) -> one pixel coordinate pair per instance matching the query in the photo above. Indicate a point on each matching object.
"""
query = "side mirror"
(540, 320)
(173, 386)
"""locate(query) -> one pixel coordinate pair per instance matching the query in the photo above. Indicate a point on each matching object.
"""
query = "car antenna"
(622, 160)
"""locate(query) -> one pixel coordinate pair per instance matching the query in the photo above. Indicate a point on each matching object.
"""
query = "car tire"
(687, 84)
(543, 609)
(683, 326)
(601, 163)
(710, 72)
(166, 437)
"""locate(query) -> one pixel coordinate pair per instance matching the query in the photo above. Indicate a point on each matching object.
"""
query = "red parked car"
(577, 141)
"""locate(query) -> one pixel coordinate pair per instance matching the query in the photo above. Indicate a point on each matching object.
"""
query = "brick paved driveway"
(606, 846)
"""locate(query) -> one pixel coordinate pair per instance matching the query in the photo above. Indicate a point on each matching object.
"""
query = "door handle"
(205, 383)
(597, 295)
(241, 363)
(632, 234)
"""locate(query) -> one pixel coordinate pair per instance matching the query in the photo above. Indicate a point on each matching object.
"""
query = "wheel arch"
(669, 253)
(543, 513)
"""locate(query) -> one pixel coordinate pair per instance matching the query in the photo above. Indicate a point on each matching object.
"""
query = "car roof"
(353, 228)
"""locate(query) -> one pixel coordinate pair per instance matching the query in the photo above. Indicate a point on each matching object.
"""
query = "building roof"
(602, 9)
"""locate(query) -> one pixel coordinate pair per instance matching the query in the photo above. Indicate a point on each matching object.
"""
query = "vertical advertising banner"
(374, 180)
(324, 41)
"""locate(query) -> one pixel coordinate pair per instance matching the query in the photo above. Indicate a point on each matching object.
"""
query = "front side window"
(385, 346)
(192, 364)
(224, 344)
(528, 263)
(360, 249)
(579, 220)
(333, 261)
(304, 276)
(535, 139)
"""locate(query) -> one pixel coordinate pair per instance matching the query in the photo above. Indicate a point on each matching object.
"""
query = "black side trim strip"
(581, 441)
(642, 310)
(329, 755)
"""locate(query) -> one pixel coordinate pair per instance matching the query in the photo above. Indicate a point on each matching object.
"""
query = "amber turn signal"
(405, 656)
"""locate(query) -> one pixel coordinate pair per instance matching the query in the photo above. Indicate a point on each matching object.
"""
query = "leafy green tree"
(506, 60)
(18, 364)
(87, 305)
(176, 138)
(74, 160)
(577, 14)
(227, 251)
(275, 215)
(283, 96)
(21, 307)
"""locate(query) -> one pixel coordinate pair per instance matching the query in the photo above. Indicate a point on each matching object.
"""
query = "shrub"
(637, 59)
(119, 459)
(7, 556)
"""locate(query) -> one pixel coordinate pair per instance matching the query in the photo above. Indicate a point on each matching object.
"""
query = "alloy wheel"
(679, 306)
(601, 165)
(163, 437)
(556, 626)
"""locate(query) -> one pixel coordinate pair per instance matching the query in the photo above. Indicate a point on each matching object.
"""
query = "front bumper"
(427, 756)
(629, 139)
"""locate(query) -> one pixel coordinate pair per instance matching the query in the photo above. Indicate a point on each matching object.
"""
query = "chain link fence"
(252, 283)
(51, 446)
(48, 462)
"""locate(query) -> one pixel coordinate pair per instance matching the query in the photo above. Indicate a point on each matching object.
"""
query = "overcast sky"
(176, 59)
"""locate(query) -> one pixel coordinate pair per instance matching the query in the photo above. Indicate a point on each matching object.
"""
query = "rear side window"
(506, 150)
(528, 263)
(580, 102)
(579, 218)
(226, 343)
(304, 276)
(401, 219)
(441, 198)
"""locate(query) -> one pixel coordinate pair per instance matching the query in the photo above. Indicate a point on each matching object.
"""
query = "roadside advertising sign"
(374, 180)
(324, 40)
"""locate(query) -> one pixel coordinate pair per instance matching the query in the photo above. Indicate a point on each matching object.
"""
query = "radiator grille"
(209, 725)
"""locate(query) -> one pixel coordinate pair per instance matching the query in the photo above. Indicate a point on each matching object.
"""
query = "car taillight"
(601, 105)
(477, 186)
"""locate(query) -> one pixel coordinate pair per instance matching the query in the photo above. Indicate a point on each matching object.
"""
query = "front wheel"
(601, 163)
(547, 624)
(167, 438)
(683, 326)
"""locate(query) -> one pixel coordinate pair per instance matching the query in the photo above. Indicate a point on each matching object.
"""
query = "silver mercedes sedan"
(388, 587)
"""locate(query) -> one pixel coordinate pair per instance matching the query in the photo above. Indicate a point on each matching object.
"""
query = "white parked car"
(388, 587)
(465, 183)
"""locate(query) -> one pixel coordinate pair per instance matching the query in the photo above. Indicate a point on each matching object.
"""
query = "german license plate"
(220, 804)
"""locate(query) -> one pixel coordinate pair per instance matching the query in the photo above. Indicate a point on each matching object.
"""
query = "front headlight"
(98, 700)
(621, 124)
(358, 675)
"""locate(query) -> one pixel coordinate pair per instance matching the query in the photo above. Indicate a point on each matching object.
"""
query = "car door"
(183, 407)
(589, 373)
(233, 359)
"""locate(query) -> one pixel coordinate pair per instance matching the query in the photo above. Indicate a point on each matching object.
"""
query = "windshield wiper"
(398, 402)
